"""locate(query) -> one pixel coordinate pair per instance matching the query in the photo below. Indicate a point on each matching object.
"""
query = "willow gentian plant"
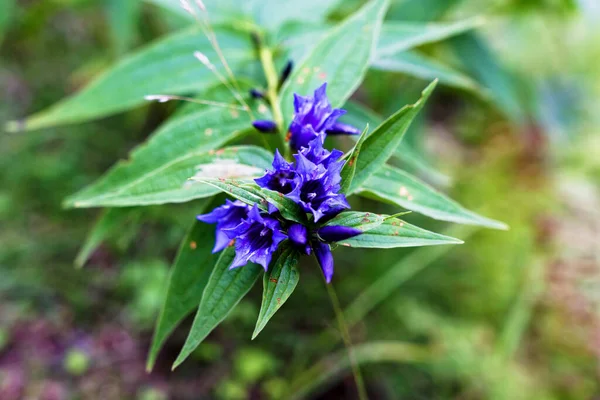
(291, 196)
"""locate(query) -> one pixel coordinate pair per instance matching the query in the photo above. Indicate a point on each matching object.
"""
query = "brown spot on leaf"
(193, 245)
(273, 280)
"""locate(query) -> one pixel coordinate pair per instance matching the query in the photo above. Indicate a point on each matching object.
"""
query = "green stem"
(339, 315)
(266, 59)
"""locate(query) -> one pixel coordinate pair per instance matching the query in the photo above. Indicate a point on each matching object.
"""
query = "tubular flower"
(313, 117)
(283, 178)
(318, 192)
(226, 217)
(256, 238)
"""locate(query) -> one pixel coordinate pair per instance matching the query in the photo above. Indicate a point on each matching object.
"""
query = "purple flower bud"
(265, 126)
(334, 233)
(227, 216)
(298, 235)
(325, 259)
(340, 128)
(256, 94)
(285, 73)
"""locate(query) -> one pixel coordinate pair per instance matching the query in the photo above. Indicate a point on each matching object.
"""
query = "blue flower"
(226, 217)
(283, 178)
(313, 117)
(318, 192)
(256, 238)
(316, 153)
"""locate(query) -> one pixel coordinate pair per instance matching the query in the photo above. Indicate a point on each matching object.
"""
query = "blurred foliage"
(508, 315)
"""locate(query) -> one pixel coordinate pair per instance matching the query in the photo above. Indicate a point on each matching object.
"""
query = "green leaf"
(165, 67)
(422, 10)
(340, 58)
(272, 14)
(123, 18)
(359, 115)
(398, 187)
(111, 222)
(187, 280)
(176, 145)
(278, 284)
(394, 232)
(349, 168)
(383, 142)
(479, 60)
(251, 194)
(397, 37)
(225, 288)
(355, 219)
(414, 64)
(172, 184)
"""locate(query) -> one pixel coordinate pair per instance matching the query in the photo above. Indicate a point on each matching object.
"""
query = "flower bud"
(340, 128)
(285, 73)
(334, 233)
(265, 126)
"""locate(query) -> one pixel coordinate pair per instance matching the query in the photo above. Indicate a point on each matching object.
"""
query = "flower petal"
(325, 259)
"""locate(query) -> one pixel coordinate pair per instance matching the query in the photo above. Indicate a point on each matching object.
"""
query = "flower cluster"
(314, 118)
(312, 181)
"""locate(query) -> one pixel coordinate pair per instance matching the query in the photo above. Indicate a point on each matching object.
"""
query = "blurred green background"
(507, 315)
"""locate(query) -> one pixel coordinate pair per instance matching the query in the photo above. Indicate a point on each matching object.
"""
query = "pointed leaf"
(355, 219)
(393, 233)
(225, 288)
(359, 115)
(172, 184)
(250, 193)
(401, 188)
(397, 37)
(278, 284)
(349, 168)
(187, 280)
(340, 58)
(383, 142)
(165, 67)
(176, 141)
(414, 64)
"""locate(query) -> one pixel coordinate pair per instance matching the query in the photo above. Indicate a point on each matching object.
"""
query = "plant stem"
(272, 95)
(339, 315)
